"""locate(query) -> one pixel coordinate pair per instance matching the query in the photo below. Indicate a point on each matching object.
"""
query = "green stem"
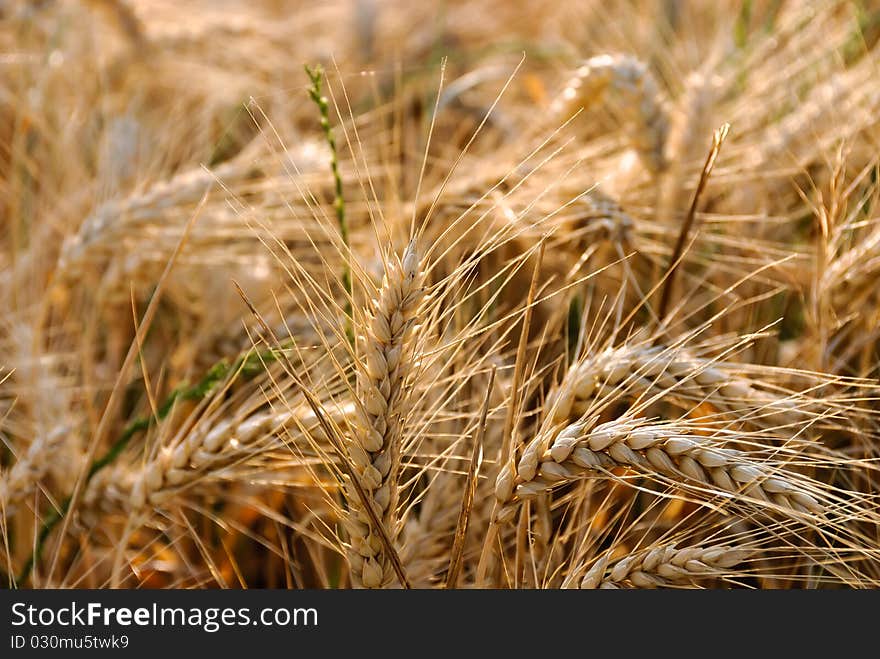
(316, 77)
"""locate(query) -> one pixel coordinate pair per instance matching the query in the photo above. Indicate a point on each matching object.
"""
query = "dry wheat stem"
(470, 491)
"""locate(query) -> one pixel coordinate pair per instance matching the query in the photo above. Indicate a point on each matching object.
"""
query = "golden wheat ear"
(384, 364)
(625, 83)
(664, 566)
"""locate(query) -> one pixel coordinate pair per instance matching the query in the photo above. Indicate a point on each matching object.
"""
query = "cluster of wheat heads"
(522, 317)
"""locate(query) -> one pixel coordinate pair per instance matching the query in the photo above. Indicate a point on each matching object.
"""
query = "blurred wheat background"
(461, 294)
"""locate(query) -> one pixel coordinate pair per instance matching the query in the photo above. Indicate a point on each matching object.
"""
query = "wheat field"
(471, 294)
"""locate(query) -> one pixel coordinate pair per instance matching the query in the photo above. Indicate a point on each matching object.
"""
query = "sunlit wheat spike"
(204, 451)
(643, 371)
(667, 450)
(626, 84)
(18, 483)
(374, 449)
(664, 566)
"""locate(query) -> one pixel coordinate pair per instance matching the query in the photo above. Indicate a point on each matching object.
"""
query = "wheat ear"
(374, 449)
(20, 481)
(599, 214)
(204, 450)
(426, 537)
(852, 276)
(674, 451)
(663, 566)
(640, 370)
(115, 219)
(627, 83)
